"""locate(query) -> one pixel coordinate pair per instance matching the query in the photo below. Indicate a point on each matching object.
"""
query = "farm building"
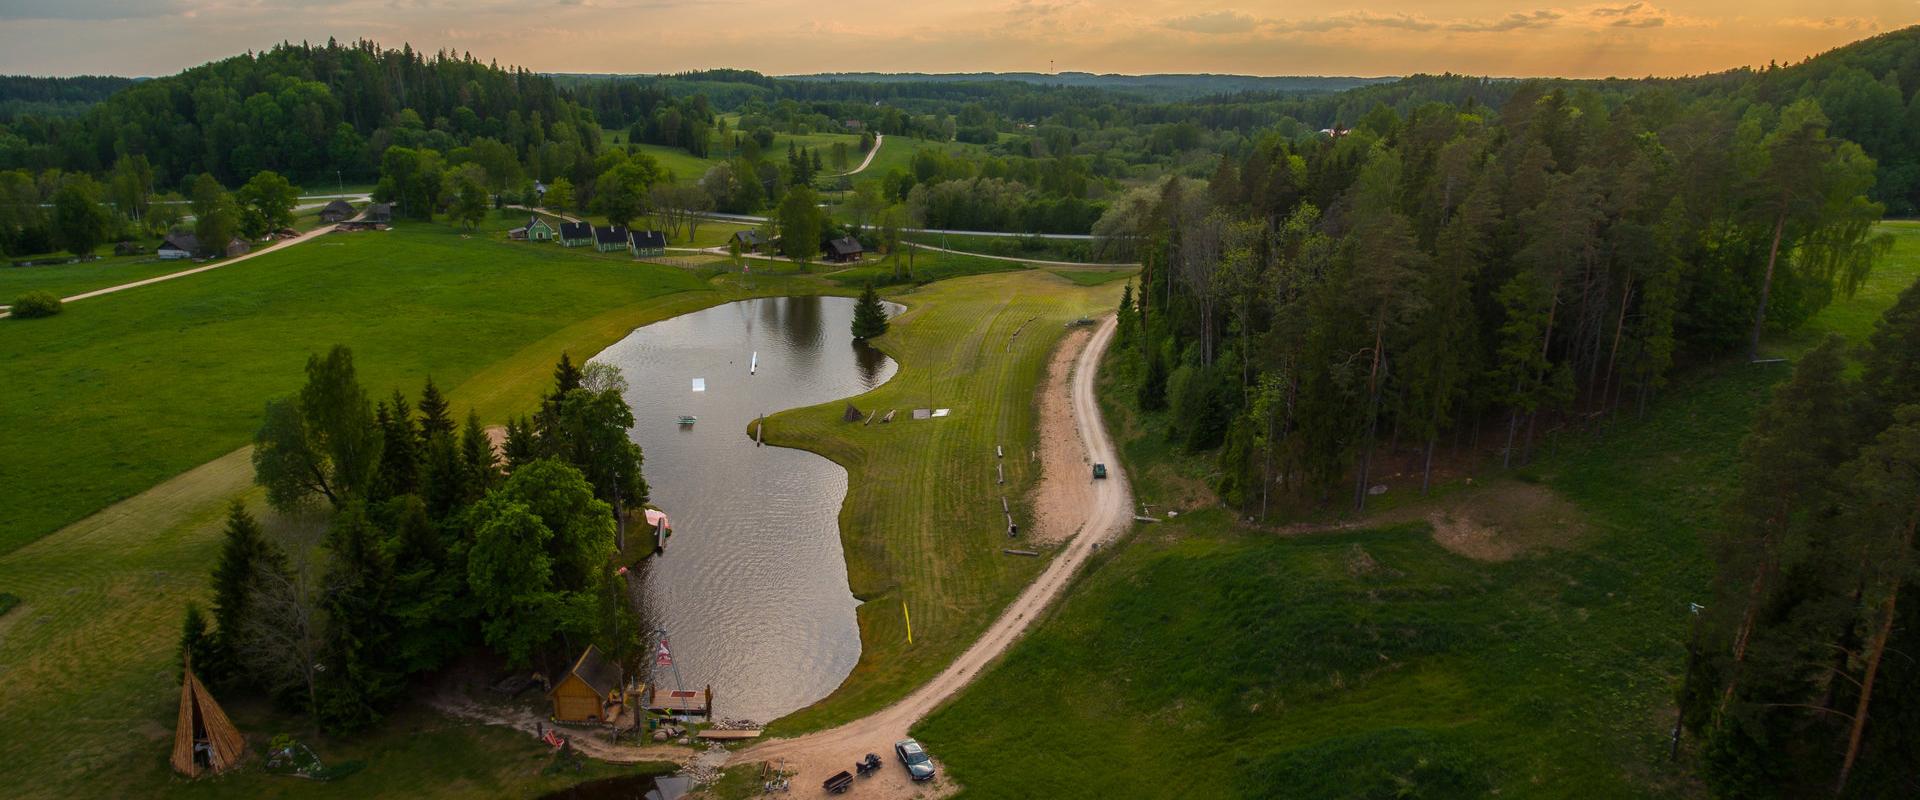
(575, 234)
(647, 243)
(750, 240)
(180, 244)
(337, 211)
(594, 690)
(608, 238)
(843, 249)
(378, 213)
(128, 249)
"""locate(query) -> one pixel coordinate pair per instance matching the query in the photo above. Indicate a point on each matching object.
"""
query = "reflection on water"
(752, 588)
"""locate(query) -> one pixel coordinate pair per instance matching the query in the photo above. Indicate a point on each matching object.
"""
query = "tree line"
(1801, 678)
(432, 542)
(1468, 277)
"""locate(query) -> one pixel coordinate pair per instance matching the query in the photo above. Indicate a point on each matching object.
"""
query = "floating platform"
(688, 419)
(680, 702)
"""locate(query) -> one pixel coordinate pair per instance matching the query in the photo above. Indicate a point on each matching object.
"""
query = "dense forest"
(1457, 280)
(435, 545)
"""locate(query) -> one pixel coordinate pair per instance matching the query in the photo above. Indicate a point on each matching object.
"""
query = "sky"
(1627, 38)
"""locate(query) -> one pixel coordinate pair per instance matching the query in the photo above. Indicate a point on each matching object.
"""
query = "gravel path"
(818, 755)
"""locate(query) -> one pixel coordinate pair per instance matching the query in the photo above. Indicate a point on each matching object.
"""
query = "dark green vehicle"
(1099, 470)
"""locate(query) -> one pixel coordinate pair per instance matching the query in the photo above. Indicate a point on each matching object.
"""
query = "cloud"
(1639, 22)
(1861, 24)
(95, 10)
(1511, 22)
(1622, 11)
(1214, 22)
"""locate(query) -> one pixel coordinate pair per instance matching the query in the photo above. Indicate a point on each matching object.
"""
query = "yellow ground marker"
(909, 617)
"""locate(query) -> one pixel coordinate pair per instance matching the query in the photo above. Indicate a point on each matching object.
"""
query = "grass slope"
(88, 655)
(124, 391)
(922, 523)
(1203, 658)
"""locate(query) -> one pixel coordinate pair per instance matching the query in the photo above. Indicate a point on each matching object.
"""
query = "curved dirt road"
(816, 756)
(878, 139)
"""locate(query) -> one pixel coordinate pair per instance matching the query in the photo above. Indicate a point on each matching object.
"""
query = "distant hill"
(22, 95)
(1165, 86)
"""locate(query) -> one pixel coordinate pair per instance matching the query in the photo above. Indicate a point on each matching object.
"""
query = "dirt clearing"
(1504, 520)
(1065, 488)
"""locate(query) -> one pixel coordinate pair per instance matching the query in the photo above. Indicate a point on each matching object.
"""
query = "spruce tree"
(477, 453)
(436, 416)
(566, 376)
(245, 553)
(197, 646)
(360, 679)
(869, 317)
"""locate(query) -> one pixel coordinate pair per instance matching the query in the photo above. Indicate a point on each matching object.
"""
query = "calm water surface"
(752, 589)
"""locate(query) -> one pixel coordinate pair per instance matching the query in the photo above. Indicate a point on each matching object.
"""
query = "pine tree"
(245, 553)
(1128, 317)
(436, 416)
(360, 680)
(566, 376)
(399, 449)
(197, 646)
(869, 317)
(477, 453)
(429, 580)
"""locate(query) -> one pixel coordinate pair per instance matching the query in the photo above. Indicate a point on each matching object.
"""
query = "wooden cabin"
(575, 234)
(337, 211)
(594, 690)
(751, 240)
(647, 243)
(608, 238)
(844, 249)
(538, 230)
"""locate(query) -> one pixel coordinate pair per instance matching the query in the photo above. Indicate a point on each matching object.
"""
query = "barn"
(648, 243)
(844, 249)
(592, 691)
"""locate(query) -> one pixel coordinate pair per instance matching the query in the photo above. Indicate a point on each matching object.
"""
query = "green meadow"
(1203, 657)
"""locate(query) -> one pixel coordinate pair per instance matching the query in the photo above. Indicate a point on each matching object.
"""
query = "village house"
(575, 234)
(647, 243)
(378, 214)
(337, 211)
(844, 249)
(593, 690)
(536, 230)
(750, 240)
(181, 244)
(608, 238)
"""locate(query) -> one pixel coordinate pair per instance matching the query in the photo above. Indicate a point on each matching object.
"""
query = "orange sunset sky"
(1381, 37)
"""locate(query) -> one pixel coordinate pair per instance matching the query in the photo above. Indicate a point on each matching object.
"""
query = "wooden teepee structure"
(204, 740)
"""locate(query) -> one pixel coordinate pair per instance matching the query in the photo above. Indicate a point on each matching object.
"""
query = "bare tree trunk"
(1766, 289)
(1876, 651)
(1373, 415)
(1619, 330)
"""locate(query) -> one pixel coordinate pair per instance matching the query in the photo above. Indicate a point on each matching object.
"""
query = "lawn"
(88, 654)
(925, 266)
(66, 280)
(1204, 658)
(922, 524)
(687, 167)
(121, 392)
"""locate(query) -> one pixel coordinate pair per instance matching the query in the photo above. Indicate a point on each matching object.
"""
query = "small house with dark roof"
(177, 245)
(750, 240)
(576, 234)
(593, 690)
(647, 243)
(608, 238)
(844, 249)
(337, 211)
(378, 213)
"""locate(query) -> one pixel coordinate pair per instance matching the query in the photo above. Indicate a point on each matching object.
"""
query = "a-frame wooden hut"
(204, 740)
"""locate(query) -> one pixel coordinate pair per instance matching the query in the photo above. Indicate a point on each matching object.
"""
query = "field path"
(816, 756)
(878, 139)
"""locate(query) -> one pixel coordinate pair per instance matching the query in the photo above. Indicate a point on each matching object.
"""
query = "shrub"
(36, 304)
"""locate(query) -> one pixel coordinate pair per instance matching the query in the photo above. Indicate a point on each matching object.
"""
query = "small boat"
(756, 363)
(688, 419)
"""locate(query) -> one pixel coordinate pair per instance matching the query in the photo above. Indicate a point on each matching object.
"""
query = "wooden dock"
(685, 702)
(728, 735)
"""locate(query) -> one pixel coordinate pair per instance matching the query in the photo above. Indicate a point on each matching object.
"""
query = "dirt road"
(878, 139)
(818, 755)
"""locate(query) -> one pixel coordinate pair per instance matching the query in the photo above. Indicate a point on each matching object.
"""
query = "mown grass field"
(65, 280)
(687, 167)
(1204, 658)
(922, 523)
(130, 390)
